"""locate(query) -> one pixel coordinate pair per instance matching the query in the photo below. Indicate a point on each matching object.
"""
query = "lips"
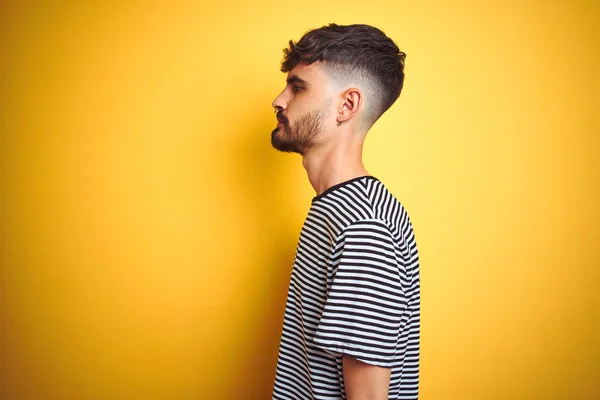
(282, 119)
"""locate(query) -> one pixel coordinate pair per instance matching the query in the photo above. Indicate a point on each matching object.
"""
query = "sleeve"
(364, 307)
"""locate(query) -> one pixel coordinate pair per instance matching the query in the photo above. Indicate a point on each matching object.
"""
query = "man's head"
(336, 75)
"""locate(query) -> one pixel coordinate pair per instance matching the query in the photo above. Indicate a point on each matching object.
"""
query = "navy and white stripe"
(354, 290)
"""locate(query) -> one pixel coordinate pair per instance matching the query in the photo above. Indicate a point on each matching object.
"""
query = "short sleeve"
(363, 311)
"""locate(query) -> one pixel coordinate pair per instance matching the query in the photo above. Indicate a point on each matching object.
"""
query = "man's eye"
(296, 88)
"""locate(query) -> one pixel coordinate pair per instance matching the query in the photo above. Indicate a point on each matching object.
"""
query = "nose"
(279, 104)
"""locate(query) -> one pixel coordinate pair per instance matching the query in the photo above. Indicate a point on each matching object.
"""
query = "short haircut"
(357, 54)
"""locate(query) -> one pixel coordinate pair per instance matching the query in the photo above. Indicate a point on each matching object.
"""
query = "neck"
(334, 163)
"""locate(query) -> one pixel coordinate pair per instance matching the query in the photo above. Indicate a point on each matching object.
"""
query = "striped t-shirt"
(354, 290)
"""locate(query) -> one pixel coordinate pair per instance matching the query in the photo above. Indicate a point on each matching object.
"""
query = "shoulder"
(368, 231)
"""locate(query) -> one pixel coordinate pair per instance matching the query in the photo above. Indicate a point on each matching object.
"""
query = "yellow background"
(147, 228)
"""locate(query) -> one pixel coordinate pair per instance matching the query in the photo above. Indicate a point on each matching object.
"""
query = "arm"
(364, 381)
(362, 316)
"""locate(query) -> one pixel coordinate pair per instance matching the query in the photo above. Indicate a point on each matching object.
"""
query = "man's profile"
(352, 317)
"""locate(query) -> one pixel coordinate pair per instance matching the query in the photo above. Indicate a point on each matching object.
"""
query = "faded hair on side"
(358, 53)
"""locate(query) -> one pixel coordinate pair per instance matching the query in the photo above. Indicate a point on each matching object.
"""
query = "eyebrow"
(296, 79)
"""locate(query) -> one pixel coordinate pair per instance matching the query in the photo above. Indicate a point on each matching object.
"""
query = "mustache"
(282, 118)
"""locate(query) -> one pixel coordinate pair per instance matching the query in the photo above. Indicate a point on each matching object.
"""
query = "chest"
(312, 270)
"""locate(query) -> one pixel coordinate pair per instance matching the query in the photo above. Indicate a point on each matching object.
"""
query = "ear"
(350, 104)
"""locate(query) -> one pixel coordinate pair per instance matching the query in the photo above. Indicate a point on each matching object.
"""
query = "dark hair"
(353, 49)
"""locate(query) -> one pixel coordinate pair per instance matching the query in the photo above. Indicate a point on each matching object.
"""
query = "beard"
(299, 136)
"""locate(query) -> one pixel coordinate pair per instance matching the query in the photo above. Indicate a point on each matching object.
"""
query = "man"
(352, 317)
